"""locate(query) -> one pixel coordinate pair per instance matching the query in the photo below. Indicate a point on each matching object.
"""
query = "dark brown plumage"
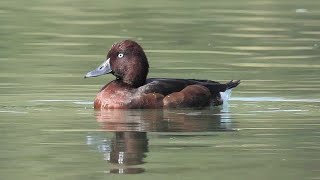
(127, 61)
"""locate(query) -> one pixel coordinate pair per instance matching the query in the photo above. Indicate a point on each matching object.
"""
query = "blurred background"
(273, 46)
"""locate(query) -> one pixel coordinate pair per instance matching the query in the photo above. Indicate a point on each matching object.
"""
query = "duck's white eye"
(120, 55)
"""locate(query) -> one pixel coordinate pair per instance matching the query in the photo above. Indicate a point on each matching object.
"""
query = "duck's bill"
(104, 68)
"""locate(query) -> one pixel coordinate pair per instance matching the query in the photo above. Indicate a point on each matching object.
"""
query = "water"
(268, 130)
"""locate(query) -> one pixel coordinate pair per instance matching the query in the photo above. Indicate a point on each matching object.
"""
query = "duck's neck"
(133, 81)
(137, 82)
(135, 78)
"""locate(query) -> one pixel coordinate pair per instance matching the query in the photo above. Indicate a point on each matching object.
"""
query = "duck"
(131, 89)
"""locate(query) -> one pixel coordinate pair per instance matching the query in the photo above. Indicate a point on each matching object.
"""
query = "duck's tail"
(232, 84)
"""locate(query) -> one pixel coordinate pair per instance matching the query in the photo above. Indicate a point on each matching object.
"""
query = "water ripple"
(271, 99)
(96, 36)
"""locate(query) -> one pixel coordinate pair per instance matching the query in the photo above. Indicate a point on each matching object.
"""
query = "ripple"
(57, 44)
(273, 48)
(63, 55)
(64, 100)
(311, 32)
(245, 145)
(301, 11)
(14, 112)
(285, 57)
(70, 11)
(265, 29)
(276, 65)
(282, 110)
(97, 36)
(198, 52)
(271, 99)
(249, 35)
(87, 22)
(246, 11)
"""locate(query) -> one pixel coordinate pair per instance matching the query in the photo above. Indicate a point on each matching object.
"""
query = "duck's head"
(127, 61)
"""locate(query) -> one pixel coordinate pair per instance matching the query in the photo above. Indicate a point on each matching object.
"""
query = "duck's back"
(187, 92)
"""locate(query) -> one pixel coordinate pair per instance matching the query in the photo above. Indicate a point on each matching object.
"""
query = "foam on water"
(226, 95)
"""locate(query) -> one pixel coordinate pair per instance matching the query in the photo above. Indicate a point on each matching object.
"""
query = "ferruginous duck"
(132, 89)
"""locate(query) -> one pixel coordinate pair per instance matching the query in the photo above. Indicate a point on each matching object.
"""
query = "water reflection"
(128, 146)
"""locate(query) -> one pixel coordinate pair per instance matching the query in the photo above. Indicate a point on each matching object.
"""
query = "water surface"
(269, 129)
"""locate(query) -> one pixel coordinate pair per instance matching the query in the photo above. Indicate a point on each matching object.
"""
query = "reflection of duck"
(129, 148)
(182, 120)
(129, 145)
(125, 150)
(132, 90)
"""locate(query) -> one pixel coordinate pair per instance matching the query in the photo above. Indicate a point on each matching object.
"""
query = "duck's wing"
(167, 86)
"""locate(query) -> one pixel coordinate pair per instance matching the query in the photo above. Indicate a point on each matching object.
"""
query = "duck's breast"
(118, 96)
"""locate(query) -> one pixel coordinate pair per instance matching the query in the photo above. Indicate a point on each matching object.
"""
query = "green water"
(269, 130)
